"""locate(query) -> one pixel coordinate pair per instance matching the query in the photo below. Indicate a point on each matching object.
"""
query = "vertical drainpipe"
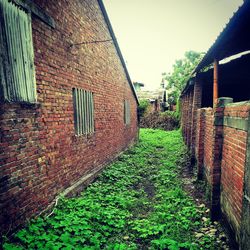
(215, 85)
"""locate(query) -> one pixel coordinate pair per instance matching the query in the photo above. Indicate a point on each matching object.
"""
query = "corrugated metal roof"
(234, 39)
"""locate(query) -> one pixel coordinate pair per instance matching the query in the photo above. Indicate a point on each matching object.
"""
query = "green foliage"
(182, 70)
(142, 108)
(136, 203)
(168, 120)
(178, 108)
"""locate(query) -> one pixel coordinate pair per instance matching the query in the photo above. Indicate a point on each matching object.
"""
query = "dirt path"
(197, 190)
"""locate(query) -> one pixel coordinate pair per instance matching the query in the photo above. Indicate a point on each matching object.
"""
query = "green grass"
(136, 203)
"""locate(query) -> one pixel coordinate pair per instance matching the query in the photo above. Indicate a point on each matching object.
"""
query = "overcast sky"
(152, 34)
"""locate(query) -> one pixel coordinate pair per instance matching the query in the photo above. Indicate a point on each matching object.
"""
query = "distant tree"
(143, 106)
(182, 70)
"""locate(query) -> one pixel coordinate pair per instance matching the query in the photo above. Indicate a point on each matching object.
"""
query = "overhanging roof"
(234, 39)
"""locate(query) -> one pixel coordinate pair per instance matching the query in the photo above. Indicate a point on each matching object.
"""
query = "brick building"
(218, 135)
(68, 106)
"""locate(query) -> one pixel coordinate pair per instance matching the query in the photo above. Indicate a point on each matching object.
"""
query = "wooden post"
(215, 87)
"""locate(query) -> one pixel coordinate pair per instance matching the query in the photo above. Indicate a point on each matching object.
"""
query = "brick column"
(217, 155)
(199, 145)
(189, 117)
(183, 114)
(195, 106)
(245, 223)
(186, 117)
(184, 122)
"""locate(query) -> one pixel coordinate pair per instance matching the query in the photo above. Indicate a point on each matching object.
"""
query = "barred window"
(17, 76)
(126, 112)
(83, 111)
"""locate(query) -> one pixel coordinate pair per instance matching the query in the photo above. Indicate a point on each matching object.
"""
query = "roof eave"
(106, 18)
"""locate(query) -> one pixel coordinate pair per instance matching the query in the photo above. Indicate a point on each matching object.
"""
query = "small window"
(83, 111)
(126, 112)
(17, 77)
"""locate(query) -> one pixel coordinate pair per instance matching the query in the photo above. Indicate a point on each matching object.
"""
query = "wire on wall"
(89, 42)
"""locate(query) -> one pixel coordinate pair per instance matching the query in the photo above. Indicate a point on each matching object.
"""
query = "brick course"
(40, 154)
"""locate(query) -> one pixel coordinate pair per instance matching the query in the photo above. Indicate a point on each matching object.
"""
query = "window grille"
(126, 112)
(83, 111)
(17, 76)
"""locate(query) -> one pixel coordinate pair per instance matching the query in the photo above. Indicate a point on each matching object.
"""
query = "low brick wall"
(221, 141)
(233, 161)
(199, 142)
(208, 143)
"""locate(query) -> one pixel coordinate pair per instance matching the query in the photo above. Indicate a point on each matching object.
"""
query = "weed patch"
(168, 120)
(136, 203)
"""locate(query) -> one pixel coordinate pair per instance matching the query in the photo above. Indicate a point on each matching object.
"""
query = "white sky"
(152, 34)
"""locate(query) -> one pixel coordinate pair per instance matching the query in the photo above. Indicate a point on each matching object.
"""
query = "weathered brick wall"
(208, 143)
(40, 154)
(186, 114)
(221, 151)
(183, 111)
(233, 161)
(189, 115)
(197, 95)
(207, 153)
(199, 142)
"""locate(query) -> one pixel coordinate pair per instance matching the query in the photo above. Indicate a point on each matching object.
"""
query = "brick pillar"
(195, 106)
(181, 110)
(189, 117)
(199, 145)
(182, 114)
(217, 155)
(184, 121)
(245, 222)
(186, 118)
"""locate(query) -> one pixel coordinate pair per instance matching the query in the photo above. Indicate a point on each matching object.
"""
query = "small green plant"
(178, 107)
(136, 203)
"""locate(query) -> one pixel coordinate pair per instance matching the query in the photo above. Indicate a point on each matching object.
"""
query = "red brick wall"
(40, 154)
(199, 142)
(186, 114)
(189, 116)
(233, 166)
(208, 143)
(195, 106)
(220, 151)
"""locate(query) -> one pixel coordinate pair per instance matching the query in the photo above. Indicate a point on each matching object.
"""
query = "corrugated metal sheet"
(17, 71)
(83, 111)
(232, 40)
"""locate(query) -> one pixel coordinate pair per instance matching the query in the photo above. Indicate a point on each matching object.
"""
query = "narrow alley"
(138, 202)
